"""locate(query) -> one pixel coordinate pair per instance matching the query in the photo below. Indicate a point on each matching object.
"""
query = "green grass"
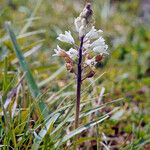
(124, 74)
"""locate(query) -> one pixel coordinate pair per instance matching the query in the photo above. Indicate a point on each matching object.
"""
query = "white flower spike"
(81, 61)
(67, 37)
(93, 46)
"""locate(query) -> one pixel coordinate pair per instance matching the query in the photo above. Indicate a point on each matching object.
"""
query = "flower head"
(67, 37)
(93, 46)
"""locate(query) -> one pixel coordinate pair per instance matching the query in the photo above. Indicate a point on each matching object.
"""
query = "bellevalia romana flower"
(93, 33)
(58, 51)
(73, 53)
(94, 46)
(67, 37)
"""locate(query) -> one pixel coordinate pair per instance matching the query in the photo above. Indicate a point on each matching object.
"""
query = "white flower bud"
(83, 22)
(77, 23)
(83, 13)
(82, 31)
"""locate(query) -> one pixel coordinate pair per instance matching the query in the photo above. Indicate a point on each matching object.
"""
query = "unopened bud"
(69, 67)
(98, 58)
(83, 22)
(68, 60)
(82, 31)
(77, 23)
(62, 53)
(89, 12)
(88, 56)
(90, 74)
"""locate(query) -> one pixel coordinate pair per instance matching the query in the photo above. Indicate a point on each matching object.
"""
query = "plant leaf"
(24, 66)
(80, 129)
(48, 127)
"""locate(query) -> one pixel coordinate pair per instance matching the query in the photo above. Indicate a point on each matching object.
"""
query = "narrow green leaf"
(29, 22)
(84, 139)
(53, 76)
(80, 129)
(88, 112)
(48, 128)
(22, 36)
(24, 66)
(137, 144)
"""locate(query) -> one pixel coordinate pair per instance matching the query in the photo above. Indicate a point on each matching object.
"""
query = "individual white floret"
(93, 33)
(73, 53)
(57, 51)
(99, 42)
(102, 49)
(67, 37)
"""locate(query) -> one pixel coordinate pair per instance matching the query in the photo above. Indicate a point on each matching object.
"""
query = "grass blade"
(52, 77)
(24, 66)
(79, 130)
(47, 129)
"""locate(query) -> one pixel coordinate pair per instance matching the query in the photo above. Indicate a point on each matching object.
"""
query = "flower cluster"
(93, 50)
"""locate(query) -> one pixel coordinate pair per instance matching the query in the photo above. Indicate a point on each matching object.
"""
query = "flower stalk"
(79, 82)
